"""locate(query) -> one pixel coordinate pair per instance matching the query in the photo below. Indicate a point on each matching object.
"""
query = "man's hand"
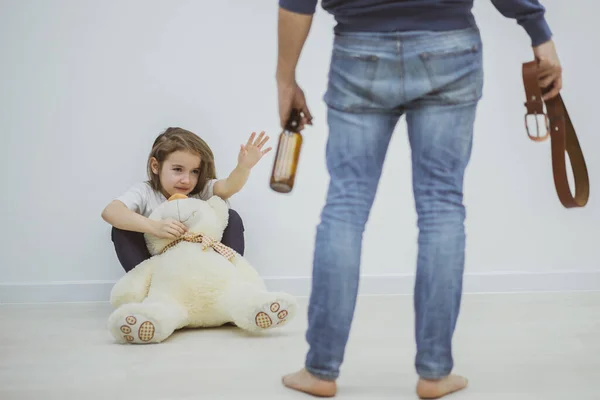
(291, 96)
(550, 70)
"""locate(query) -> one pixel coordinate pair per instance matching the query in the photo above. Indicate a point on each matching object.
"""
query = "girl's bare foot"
(303, 381)
(427, 389)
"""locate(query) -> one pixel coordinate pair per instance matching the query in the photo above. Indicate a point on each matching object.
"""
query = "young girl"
(179, 162)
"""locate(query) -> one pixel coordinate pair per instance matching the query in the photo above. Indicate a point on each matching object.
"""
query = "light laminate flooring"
(511, 346)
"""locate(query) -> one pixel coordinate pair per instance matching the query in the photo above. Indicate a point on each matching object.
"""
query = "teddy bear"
(194, 281)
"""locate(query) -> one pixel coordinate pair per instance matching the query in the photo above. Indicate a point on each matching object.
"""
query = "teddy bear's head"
(206, 217)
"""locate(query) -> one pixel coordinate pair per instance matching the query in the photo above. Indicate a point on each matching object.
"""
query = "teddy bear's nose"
(177, 196)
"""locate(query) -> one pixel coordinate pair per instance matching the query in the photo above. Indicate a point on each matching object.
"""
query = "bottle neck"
(291, 132)
(293, 122)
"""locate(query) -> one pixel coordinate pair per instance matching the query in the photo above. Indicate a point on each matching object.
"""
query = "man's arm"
(530, 14)
(294, 22)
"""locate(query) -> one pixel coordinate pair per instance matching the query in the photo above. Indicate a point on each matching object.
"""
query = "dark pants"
(131, 247)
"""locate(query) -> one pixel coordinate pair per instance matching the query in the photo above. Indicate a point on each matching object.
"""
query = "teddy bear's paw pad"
(278, 312)
(263, 320)
(145, 329)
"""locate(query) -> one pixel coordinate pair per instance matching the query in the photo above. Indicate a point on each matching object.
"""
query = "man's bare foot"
(427, 389)
(304, 381)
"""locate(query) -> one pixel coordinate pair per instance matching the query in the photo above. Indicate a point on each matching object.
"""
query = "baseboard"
(505, 282)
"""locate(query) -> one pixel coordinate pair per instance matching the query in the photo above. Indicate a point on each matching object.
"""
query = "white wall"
(104, 78)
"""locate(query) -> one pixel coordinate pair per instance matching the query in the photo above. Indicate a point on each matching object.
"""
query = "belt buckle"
(537, 138)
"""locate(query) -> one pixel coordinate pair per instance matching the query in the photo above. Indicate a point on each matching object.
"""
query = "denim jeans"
(435, 79)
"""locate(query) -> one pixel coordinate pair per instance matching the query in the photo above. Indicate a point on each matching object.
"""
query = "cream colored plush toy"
(193, 282)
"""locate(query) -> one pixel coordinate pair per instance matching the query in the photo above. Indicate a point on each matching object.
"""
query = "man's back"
(422, 15)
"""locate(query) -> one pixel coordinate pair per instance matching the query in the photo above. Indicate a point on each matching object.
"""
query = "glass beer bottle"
(288, 153)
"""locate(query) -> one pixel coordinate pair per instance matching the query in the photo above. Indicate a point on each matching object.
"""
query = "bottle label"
(285, 156)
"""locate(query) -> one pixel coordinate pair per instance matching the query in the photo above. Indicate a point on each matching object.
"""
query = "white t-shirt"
(142, 199)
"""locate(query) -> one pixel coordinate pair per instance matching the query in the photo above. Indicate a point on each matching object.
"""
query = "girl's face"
(179, 173)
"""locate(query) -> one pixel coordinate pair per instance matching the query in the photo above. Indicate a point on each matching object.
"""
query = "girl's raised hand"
(252, 151)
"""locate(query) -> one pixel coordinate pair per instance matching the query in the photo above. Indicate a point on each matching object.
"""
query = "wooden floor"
(513, 347)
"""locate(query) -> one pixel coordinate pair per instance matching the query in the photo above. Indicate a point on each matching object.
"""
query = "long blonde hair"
(179, 139)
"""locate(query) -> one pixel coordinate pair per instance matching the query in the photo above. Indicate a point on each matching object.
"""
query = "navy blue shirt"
(432, 15)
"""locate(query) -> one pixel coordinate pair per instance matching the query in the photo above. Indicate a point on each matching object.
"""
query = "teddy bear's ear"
(221, 207)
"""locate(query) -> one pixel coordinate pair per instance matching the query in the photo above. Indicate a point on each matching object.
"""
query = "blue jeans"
(436, 80)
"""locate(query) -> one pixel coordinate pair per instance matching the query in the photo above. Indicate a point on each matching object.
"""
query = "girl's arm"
(225, 188)
(250, 154)
(118, 215)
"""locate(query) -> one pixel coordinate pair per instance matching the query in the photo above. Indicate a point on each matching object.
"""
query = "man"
(421, 59)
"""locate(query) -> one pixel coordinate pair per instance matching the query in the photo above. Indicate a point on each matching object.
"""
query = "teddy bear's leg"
(256, 310)
(150, 321)
(133, 286)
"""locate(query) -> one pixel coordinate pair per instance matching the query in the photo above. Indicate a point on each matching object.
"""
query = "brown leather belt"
(559, 127)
